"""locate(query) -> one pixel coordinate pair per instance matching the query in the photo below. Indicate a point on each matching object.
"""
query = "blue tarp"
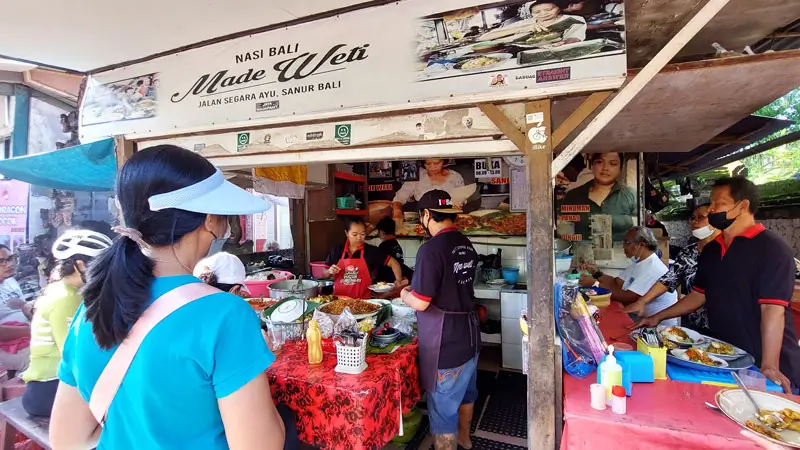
(87, 167)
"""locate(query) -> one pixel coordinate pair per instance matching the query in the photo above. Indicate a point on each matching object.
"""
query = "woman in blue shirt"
(197, 381)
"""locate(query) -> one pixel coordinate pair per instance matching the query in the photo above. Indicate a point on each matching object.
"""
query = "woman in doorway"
(433, 176)
(54, 312)
(208, 356)
(354, 264)
(603, 195)
(681, 273)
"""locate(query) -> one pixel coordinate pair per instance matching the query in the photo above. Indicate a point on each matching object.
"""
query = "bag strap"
(111, 378)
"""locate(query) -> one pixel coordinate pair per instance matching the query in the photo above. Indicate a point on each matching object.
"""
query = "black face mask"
(425, 227)
(720, 221)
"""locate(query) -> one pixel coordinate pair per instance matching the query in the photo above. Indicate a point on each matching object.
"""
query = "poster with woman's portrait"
(595, 200)
(504, 36)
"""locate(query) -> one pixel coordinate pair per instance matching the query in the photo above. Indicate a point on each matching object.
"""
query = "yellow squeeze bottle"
(314, 339)
(610, 373)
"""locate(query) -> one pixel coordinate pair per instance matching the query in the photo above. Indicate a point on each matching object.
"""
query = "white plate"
(737, 352)
(734, 403)
(497, 282)
(288, 311)
(681, 353)
(696, 337)
(382, 288)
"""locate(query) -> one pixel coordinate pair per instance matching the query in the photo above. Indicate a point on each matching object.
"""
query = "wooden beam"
(123, 149)
(726, 139)
(578, 116)
(631, 89)
(504, 124)
(541, 363)
(783, 34)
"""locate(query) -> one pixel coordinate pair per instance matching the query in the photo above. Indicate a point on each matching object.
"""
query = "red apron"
(354, 279)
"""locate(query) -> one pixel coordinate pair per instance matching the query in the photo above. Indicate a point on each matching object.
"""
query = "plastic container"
(563, 263)
(598, 396)
(619, 401)
(352, 360)
(610, 373)
(318, 269)
(314, 339)
(511, 275)
(753, 379)
(345, 202)
(260, 288)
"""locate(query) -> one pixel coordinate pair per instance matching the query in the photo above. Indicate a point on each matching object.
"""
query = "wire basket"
(352, 360)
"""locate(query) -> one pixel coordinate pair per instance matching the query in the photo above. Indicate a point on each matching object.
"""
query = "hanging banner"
(402, 54)
(13, 213)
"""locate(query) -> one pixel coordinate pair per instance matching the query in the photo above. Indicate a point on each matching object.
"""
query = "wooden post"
(541, 362)
(123, 150)
(630, 90)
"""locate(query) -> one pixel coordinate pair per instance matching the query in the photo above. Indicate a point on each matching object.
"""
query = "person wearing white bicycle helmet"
(54, 311)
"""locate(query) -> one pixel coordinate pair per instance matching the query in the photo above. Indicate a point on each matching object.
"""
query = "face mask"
(218, 243)
(425, 227)
(702, 233)
(720, 221)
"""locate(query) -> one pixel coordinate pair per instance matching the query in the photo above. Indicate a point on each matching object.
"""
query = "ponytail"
(117, 291)
(119, 282)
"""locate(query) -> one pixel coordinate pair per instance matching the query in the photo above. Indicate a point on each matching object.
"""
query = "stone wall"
(788, 229)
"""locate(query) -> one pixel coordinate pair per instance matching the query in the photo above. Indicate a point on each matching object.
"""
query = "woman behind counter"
(603, 195)
(433, 176)
(354, 264)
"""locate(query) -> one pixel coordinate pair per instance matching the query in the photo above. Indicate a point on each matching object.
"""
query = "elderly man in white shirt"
(636, 280)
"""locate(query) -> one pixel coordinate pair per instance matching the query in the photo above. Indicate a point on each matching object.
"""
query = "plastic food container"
(318, 269)
(511, 275)
(563, 263)
(260, 288)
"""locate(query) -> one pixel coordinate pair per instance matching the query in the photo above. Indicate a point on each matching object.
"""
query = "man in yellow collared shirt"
(53, 316)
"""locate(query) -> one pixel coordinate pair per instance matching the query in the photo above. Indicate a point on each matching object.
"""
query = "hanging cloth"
(283, 181)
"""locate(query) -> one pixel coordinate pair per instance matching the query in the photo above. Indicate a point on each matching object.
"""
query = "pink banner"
(13, 212)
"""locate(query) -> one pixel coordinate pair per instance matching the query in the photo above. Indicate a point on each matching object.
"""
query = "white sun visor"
(213, 196)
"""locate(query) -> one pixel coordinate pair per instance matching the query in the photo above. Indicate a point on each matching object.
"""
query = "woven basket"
(352, 360)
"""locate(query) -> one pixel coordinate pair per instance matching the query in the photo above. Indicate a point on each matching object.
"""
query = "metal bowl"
(294, 288)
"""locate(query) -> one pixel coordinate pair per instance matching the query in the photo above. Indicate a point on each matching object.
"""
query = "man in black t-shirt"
(389, 245)
(745, 279)
(449, 337)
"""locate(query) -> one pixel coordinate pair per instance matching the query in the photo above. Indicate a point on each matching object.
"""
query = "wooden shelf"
(352, 212)
(350, 177)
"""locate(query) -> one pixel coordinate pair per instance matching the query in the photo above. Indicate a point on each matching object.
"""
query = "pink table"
(667, 415)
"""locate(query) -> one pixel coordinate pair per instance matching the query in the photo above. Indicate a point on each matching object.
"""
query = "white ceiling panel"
(87, 35)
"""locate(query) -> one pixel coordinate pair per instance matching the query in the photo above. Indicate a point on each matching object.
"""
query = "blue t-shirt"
(204, 351)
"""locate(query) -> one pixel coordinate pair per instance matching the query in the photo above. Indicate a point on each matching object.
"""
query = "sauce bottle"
(314, 339)
(610, 373)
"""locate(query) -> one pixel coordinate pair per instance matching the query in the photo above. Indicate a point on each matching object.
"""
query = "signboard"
(488, 167)
(403, 54)
(13, 213)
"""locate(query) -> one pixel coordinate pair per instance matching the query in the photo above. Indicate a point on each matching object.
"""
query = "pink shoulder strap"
(111, 378)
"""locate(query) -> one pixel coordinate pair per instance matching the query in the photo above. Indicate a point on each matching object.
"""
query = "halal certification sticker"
(242, 141)
(343, 133)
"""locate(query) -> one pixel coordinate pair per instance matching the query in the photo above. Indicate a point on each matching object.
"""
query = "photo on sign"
(131, 99)
(409, 170)
(595, 199)
(513, 35)
(380, 169)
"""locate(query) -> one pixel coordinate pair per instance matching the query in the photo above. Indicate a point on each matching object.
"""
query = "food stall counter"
(664, 414)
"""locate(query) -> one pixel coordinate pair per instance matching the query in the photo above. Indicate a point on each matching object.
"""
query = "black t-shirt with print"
(756, 269)
(445, 273)
(392, 248)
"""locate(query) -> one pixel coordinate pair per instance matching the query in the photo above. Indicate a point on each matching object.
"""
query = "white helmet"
(80, 242)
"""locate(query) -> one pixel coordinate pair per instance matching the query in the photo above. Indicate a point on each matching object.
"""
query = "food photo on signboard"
(508, 35)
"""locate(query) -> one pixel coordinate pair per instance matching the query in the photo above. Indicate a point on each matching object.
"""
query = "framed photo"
(380, 170)
(409, 171)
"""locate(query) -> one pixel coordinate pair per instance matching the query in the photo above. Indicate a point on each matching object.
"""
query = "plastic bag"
(401, 324)
(346, 329)
(325, 323)
(583, 345)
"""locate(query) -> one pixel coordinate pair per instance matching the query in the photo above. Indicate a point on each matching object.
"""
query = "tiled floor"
(500, 421)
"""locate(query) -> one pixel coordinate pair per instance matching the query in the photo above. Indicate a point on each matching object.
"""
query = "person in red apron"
(442, 294)
(353, 263)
